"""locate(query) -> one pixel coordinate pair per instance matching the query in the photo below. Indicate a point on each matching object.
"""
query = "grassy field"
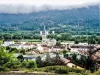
(54, 70)
(25, 73)
(29, 40)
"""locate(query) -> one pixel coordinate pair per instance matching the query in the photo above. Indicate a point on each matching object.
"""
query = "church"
(45, 40)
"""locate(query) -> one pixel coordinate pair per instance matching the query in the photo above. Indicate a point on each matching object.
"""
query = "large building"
(45, 40)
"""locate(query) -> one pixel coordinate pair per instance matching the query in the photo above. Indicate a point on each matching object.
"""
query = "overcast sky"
(28, 6)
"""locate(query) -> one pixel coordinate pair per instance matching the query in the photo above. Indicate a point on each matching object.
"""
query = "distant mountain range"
(77, 19)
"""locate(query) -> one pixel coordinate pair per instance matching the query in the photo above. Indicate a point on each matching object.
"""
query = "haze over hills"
(86, 19)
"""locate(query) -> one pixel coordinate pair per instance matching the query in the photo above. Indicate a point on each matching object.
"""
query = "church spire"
(44, 28)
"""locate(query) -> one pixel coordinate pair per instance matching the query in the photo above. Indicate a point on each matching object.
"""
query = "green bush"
(22, 51)
(60, 69)
(3, 68)
(20, 58)
(14, 50)
(24, 64)
(13, 64)
(32, 64)
(97, 72)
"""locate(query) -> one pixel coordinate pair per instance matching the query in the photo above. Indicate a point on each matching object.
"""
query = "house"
(96, 54)
(68, 42)
(7, 43)
(18, 46)
(80, 48)
(28, 46)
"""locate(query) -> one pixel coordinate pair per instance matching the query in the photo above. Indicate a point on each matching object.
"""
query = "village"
(65, 50)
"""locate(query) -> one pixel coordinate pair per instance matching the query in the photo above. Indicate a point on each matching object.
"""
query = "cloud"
(29, 6)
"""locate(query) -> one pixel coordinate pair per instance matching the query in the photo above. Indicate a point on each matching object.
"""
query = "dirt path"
(25, 73)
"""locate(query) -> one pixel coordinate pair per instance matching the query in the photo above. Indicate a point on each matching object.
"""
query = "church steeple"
(45, 32)
(44, 28)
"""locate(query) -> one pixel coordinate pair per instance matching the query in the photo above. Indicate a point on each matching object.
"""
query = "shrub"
(39, 61)
(24, 64)
(32, 64)
(13, 64)
(97, 72)
(20, 58)
(22, 51)
(3, 68)
(61, 69)
(13, 50)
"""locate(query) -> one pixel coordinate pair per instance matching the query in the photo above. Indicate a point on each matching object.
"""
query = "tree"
(1, 42)
(76, 41)
(65, 36)
(92, 40)
(91, 63)
(13, 64)
(15, 50)
(74, 57)
(20, 58)
(58, 43)
(5, 57)
(48, 58)
(32, 64)
(64, 52)
(39, 61)
(98, 40)
(22, 51)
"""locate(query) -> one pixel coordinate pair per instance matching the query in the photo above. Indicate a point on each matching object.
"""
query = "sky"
(28, 6)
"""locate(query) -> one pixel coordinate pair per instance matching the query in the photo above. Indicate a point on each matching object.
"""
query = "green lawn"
(29, 40)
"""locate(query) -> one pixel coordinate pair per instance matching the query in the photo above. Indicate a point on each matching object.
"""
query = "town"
(69, 54)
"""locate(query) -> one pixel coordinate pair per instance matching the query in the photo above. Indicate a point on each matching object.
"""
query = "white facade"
(18, 46)
(74, 50)
(40, 48)
(83, 43)
(28, 46)
(7, 43)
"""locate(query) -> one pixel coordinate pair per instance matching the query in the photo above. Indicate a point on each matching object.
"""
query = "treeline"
(25, 35)
(91, 39)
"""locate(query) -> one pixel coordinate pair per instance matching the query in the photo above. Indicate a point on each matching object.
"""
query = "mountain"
(72, 20)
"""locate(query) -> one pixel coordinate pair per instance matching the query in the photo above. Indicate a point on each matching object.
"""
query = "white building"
(18, 45)
(81, 48)
(28, 46)
(7, 43)
(40, 48)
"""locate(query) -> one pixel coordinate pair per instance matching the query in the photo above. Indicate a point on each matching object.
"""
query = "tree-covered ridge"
(79, 20)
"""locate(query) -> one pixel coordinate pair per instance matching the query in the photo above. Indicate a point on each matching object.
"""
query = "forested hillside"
(81, 20)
